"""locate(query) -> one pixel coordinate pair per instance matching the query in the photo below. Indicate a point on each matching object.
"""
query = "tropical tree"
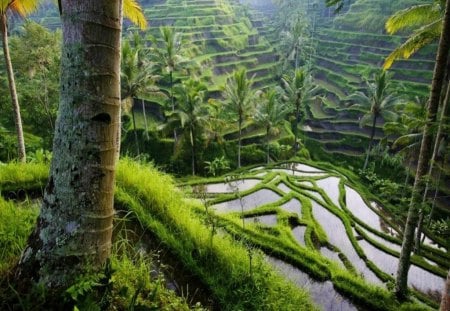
(270, 113)
(191, 113)
(298, 90)
(239, 95)
(445, 301)
(427, 21)
(169, 53)
(137, 76)
(74, 228)
(378, 102)
(22, 8)
(424, 155)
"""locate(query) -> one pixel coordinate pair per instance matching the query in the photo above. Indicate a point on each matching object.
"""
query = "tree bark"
(136, 140)
(239, 139)
(267, 141)
(74, 228)
(445, 301)
(21, 154)
(372, 135)
(424, 156)
(145, 115)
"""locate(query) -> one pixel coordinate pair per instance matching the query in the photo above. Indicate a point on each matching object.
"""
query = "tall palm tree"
(270, 113)
(23, 8)
(137, 75)
(298, 90)
(424, 155)
(445, 301)
(191, 112)
(239, 96)
(426, 18)
(169, 52)
(378, 102)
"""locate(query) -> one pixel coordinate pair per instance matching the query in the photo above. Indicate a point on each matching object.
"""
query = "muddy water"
(322, 293)
(239, 185)
(249, 202)
(417, 277)
(330, 185)
(335, 230)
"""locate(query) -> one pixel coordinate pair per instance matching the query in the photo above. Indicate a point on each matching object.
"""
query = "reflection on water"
(297, 173)
(330, 185)
(322, 293)
(268, 220)
(238, 185)
(417, 277)
(249, 202)
(360, 210)
(388, 244)
(337, 236)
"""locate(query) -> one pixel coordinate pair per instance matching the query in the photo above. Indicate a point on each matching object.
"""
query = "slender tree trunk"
(437, 143)
(191, 134)
(239, 140)
(74, 228)
(267, 141)
(297, 117)
(445, 301)
(145, 115)
(372, 135)
(424, 156)
(136, 140)
(172, 102)
(12, 90)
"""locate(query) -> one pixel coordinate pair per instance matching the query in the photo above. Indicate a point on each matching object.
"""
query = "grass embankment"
(222, 264)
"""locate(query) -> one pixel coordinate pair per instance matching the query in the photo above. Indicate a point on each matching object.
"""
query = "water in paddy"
(331, 255)
(239, 185)
(302, 167)
(249, 202)
(322, 293)
(356, 205)
(268, 220)
(388, 244)
(337, 236)
(417, 277)
(293, 206)
(284, 188)
(297, 173)
(299, 234)
(331, 187)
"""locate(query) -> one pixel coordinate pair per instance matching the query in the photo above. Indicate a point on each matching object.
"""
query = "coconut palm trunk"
(12, 90)
(239, 139)
(145, 115)
(297, 121)
(136, 140)
(193, 147)
(372, 135)
(445, 301)
(267, 142)
(434, 155)
(73, 232)
(424, 156)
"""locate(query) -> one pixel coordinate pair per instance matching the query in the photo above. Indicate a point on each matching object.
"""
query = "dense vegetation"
(209, 87)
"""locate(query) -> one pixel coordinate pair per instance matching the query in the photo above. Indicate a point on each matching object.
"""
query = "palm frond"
(420, 38)
(412, 17)
(22, 7)
(133, 11)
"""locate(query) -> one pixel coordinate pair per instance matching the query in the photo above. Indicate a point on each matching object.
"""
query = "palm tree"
(445, 301)
(191, 112)
(270, 113)
(23, 8)
(137, 75)
(426, 18)
(424, 155)
(379, 102)
(169, 53)
(298, 90)
(239, 95)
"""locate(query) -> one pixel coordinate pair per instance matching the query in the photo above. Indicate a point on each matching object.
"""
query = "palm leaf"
(133, 11)
(415, 16)
(21, 7)
(420, 38)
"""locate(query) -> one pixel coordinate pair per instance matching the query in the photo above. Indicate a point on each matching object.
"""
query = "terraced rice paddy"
(311, 211)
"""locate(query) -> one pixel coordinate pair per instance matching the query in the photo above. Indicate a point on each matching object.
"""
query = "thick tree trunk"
(445, 301)
(372, 135)
(12, 90)
(424, 156)
(73, 232)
